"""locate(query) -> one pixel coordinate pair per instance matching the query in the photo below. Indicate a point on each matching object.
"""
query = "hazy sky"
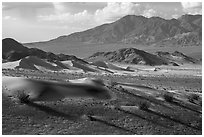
(37, 21)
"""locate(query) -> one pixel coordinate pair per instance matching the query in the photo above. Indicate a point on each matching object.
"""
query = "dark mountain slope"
(9, 44)
(128, 55)
(135, 56)
(177, 57)
(13, 50)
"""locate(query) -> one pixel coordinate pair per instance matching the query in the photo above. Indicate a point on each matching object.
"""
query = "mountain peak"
(11, 41)
(133, 16)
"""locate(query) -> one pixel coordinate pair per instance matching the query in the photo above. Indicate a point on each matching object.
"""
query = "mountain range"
(149, 34)
(132, 29)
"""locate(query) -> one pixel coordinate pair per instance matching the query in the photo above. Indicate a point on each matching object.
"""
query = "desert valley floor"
(102, 68)
(152, 100)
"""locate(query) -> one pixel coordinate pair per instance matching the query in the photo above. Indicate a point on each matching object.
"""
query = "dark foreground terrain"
(150, 105)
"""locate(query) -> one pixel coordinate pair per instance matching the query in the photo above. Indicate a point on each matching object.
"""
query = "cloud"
(149, 13)
(9, 18)
(187, 5)
(22, 5)
(175, 16)
(66, 17)
(116, 10)
(192, 7)
(80, 19)
(25, 10)
(110, 13)
(59, 7)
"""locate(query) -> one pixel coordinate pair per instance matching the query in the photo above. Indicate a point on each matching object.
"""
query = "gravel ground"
(121, 115)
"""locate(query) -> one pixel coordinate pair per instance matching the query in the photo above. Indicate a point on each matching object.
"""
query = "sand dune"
(100, 64)
(78, 65)
(34, 63)
(108, 66)
(10, 65)
(70, 65)
(40, 90)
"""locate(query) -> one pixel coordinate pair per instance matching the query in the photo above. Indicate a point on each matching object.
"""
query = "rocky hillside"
(128, 55)
(13, 51)
(177, 57)
(135, 56)
(131, 29)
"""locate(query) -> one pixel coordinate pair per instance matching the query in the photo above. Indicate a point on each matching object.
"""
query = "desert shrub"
(144, 105)
(22, 97)
(112, 83)
(193, 97)
(168, 97)
(200, 103)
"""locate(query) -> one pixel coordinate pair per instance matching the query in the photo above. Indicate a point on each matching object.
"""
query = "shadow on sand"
(52, 111)
(161, 115)
(136, 115)
(173, 119)
(181, 104)
(110, 124)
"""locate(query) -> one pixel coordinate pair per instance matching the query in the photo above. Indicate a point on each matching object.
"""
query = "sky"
(40, 21)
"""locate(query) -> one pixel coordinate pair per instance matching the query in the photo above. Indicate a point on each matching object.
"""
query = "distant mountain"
(135, 56)
(132, 29)
(13, 51)
(149, 34)
(10, 44)
(177, 57)
(128, 55)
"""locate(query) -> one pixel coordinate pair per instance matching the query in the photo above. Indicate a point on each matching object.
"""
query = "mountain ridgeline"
(132, 29)
(13, 51)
